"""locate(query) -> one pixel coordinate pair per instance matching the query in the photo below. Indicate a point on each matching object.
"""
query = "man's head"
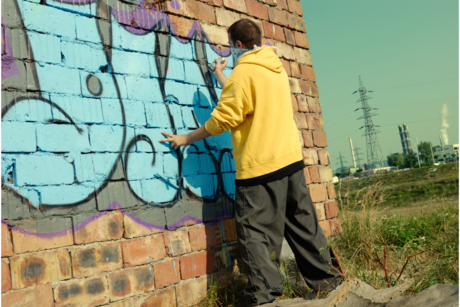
(244, 34)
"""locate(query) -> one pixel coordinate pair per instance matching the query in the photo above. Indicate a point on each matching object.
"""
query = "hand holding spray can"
(212, 67)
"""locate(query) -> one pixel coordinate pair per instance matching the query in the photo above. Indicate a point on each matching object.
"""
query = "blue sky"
(405, 51)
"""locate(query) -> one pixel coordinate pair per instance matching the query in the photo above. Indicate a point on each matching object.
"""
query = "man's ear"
(239, 44)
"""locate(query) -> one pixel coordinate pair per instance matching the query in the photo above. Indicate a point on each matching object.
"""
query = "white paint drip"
(175, 267)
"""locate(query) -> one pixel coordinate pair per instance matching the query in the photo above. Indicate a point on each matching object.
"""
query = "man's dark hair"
(247, 32)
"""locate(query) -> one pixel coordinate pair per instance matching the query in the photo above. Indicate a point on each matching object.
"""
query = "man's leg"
(306, 238)
(259, 214)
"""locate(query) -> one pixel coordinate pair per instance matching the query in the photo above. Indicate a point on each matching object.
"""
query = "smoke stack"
(403, 138)
(352, 153)
(444, 124)
(408, 141)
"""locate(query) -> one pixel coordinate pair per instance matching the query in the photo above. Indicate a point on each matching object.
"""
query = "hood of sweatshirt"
(265, 57)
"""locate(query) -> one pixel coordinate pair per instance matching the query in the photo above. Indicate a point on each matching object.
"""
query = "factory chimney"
(352, 153)
(408, 141)
(403, 138)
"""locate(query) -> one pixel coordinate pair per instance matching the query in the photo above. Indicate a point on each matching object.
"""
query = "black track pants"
(265, 214)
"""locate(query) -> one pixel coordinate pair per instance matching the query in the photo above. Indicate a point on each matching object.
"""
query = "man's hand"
(218, 72)
(176, 140)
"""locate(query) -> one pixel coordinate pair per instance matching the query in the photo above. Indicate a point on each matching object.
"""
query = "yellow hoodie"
(256, 105)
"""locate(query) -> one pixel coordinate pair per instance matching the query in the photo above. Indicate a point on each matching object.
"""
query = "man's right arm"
(218, 72)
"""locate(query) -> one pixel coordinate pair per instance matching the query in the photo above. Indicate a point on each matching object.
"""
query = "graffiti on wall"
(87, 88)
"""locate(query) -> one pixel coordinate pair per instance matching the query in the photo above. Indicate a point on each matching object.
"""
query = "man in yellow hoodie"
(272, 198)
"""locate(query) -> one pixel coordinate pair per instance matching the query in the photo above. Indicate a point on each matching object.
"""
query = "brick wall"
(95, 211)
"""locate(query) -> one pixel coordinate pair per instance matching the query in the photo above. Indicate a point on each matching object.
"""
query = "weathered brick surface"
(301, 40)
(315, 121)
(236, 5)
(320, 212)
(133, 229)
(225, 17)
(197, 264)
(217, 34)
(229, 229)
(313, 105)
(314, 174)
(182, 25)
(286, 52)
(282, 4)
(194, 9)
(324, 158)
(300, 138)
(295, 106)
(7, 244)
(286, 66)
(29, 242)
(190, 292)
(308, 73)
(294, 85)
(130, 282)
(30, 297)
(295, 70)
(319, 138)
(331, 191)
(300, 120)
(318, 192)
(84, 292)
(273, 31)
(295, 7)
(307, 138)
(143, 250)
(213, 2)
(257, 9)
(310, 156)
(303, 105)
(205, 236)
(90, 261)
(325, 173)
(335, 226)
(297, 23)
(108, 226)
(290, 38)
(160, 298)
(326, 228)
(39, 268)
(331, 208)
(166, 272)
(308, 88)
(307, 175)
(6, 277)
(279, 17)
(177, 243)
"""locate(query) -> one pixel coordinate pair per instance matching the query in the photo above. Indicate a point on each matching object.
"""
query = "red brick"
(30, 297)
(325, 227)
(315, 121)
(313, 105)
(308, 88)
(217, 35)
(181, 25)
(286, 67)
(190, 293)
(285, 51)
(273, 31)
(7, 244)
(257, 9)
(6, 277)
(303, 56)
(320, 211)
(90, 261)
(295, 7)
(197, 264)
(295, 106)
(134, 230)
(301, 40)
(229, 230)
(325, 174)
(225, 17)
(27, 242)
(269, 2)
(331, 191)
(332, 209)
(237, 5)
(222, 253)
(307, 138)
(193, 9)
(308, 73)
(130, 282)
(84, 292)
(282, 4)
(300, 120)
(318, 192)
(294, 85)
(297, 23)
(279, 17)
(143, 250)
(161, 298)
(177, 243)
(300, 137)
(310, 156)
(40, 268)
(336, 227)
(307, 175)
(314, 174)
(106, 227)
(290, 39)
(295, 71)
(166, 273)
(319, 138)
(205, 236)
(213, 2)
(303, 105)
(324, 158)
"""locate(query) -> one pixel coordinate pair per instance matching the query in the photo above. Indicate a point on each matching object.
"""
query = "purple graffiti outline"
(9, 66)
(113, 206)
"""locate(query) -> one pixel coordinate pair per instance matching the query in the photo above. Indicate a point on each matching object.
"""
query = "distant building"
(448, 150)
